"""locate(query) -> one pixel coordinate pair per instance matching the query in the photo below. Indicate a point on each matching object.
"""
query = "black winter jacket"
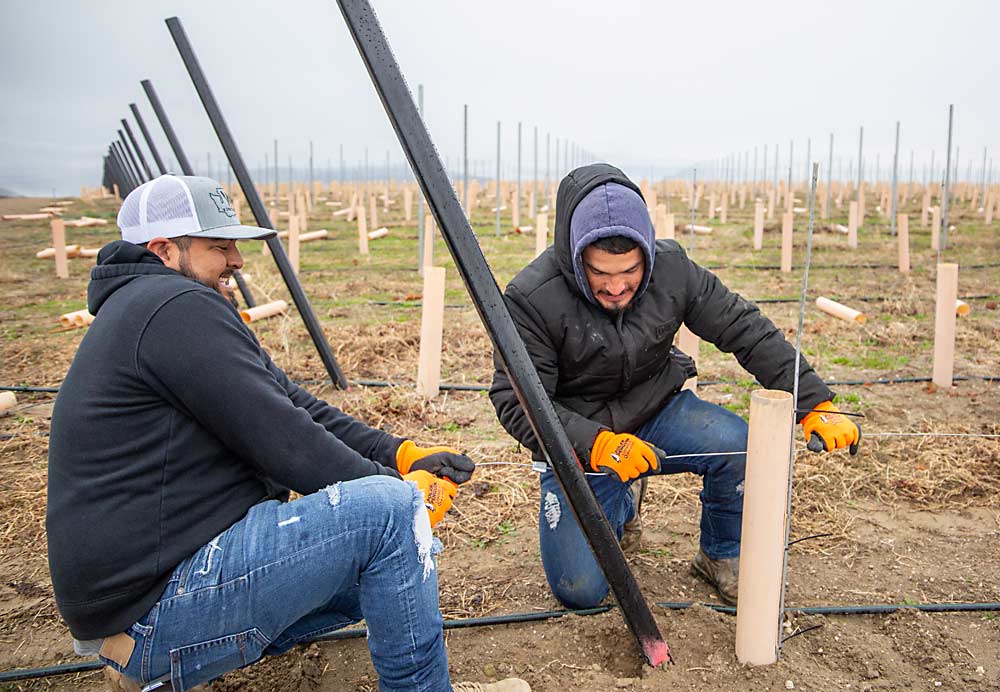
(614, 372)
(171, 423)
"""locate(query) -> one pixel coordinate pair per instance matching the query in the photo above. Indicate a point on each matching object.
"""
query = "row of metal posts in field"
(455, 204)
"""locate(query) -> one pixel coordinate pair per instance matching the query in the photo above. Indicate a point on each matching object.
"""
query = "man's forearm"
(581, 430)
(371, 443)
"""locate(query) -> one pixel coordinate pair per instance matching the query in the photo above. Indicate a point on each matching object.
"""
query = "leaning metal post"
(120, 177)
(149, 140)
(485, 293)
(133, 177)
(168, 129)
(133, 164)
(186, 169)
(138, 151)
(255, 201)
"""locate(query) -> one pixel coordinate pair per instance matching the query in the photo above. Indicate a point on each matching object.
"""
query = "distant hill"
(4, 192)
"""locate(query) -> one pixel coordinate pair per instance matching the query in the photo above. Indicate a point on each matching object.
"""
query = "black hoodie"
(607, 371)
(171, 423)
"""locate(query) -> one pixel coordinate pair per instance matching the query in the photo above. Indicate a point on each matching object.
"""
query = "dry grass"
(491, 563)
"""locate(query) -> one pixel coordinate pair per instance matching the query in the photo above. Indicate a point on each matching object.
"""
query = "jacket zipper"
(626, 360)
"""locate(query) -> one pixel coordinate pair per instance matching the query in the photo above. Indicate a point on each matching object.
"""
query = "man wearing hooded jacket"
(598, 311)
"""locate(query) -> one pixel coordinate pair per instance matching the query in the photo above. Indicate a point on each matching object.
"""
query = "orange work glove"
(623, 454)
(438, 493)
(443, 462)
(826, 429)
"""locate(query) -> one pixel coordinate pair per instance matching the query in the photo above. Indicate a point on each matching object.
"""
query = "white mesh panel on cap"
(167, 209)
(159, 208)
(128, 215)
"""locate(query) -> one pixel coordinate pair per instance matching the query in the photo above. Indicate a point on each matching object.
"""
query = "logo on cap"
(222, 202)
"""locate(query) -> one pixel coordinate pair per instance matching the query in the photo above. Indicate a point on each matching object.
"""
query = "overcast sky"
(641, 84)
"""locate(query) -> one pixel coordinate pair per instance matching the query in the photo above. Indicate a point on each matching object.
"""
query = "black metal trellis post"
(186, 169)
(416, 143)
(256, 203)
(138, 151)
(120, 177)
(168, 129)
(149, 140)
(130, 177)
(133, 164)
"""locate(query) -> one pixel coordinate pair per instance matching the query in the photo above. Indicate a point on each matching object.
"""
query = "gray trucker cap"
(176, 205)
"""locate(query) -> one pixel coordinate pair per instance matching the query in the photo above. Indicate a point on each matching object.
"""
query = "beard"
(221, 288)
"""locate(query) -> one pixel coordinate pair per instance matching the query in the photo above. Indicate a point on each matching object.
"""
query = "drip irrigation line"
(415, 304)
(357, 633)
(33, 390)
(443, 385)
(770, 267)
(875, 609)
(913, 380)
(807, 629)
(842, 413)
(903, 434)
(485, 387)
(864, 299)
(49, 671)
(807, 538)
(758, 301)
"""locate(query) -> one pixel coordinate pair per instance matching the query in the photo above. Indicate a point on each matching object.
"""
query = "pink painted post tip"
(657, 652)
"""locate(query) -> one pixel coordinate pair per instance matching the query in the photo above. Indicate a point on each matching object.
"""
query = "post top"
(770, 395)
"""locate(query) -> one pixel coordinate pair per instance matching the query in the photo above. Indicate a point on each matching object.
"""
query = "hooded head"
(595, 202)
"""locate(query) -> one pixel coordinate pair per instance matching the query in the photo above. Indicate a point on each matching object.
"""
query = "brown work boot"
(632, 531)
(508, 685)
(118, 682)
(723, 574)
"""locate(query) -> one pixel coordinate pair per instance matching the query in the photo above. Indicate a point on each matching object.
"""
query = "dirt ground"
(912, 520)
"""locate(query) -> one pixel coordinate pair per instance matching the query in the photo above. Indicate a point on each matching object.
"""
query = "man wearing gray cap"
(174, 551)
(598, 311)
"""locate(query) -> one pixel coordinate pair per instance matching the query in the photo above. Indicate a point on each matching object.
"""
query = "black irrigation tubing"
(485, 387)
(863, 299)
(33, 390)
(769, 267)
(866, 299)
(444, 385)
(414, 304)
(357, 633)
(49, 671)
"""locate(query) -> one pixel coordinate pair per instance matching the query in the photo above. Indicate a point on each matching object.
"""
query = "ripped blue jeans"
(289, 572)
(686, 425)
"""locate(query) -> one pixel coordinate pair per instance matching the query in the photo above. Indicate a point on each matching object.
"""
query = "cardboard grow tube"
(50, 252)
(962, 308)
(698, 229)
(944, 325)
(832, 307)
(378, 233)
(77, 318)
(7, 400)
(313, 235)
(765, 498)
(275, 307)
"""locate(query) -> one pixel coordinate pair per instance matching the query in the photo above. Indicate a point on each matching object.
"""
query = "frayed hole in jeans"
(553, 510)
(422, 535)
(333, 494)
